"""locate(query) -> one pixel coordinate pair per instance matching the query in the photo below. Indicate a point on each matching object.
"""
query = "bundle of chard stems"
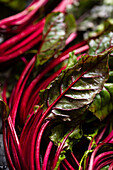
(26, 122)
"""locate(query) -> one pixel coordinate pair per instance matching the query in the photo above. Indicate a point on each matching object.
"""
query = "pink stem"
(10, 20)
(109, 137)
(111, 166)
(104, 164)
(15, 155)
(93, 156)
(28, 125)
(60, 149)
(35, 97)
(20, 36)
(35, 7)
(28, 132)
(50, 66)
(13, 111)
(20, 51)
(16, 142)
(101, 157)
(71, 38)
(75, 159)
(4, 93)
(64, 166)
(99, 137)
(68, 164)
(62, 6)
(37, 147)
(46, 156)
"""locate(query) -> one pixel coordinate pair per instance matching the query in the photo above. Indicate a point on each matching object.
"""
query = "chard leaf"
(100, 44)
(57, 136)
(105, 26)
(58, 27)
(60, 131)
(72, 60)
(105, 167)
(103, 102)
(69, 95)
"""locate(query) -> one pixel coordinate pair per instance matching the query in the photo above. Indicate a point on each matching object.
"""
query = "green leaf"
(105, 167)
(15, 4)
(75, 88)
(100, 44)
(105, 26)
(103, 102)
(57, 136)
(56, 30)
(60, 131)
(72, 60)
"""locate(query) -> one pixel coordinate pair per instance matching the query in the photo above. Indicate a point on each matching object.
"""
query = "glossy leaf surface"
(76, 87)
(58, 27)
(100, 44)
(103, 102)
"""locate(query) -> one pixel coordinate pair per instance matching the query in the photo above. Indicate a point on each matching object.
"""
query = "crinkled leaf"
(61, 130)
(100, 44)
(103, 102)
(58, 27)
(57, 136)
(92, 20)
(69, 95)
(105, 26)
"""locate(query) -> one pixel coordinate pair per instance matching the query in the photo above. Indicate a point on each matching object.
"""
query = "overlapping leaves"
(77, 86)
(58, 27)
(103, 102)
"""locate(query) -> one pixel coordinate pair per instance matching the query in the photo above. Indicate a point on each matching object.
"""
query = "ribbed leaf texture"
(100, 44)
(58, 27)
(71, 93)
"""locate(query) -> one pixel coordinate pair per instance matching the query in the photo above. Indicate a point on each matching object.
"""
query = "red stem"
(46, 156)
(111, 166)
(20, 51)
(93, 156)
(20, 36)
(60, 149)
(15, 155)
(35, 97)
(25, 42)
(75, 159)
(102, 157)
(13, 111)
(104, 164)
(68, 164)
(16, 142)
(37, 146)
(49, 67)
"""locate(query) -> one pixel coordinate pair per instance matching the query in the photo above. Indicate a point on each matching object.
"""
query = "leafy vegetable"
(101, 44)
(58, 115)
(76, 87)
(54, 40)
(103, 102)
